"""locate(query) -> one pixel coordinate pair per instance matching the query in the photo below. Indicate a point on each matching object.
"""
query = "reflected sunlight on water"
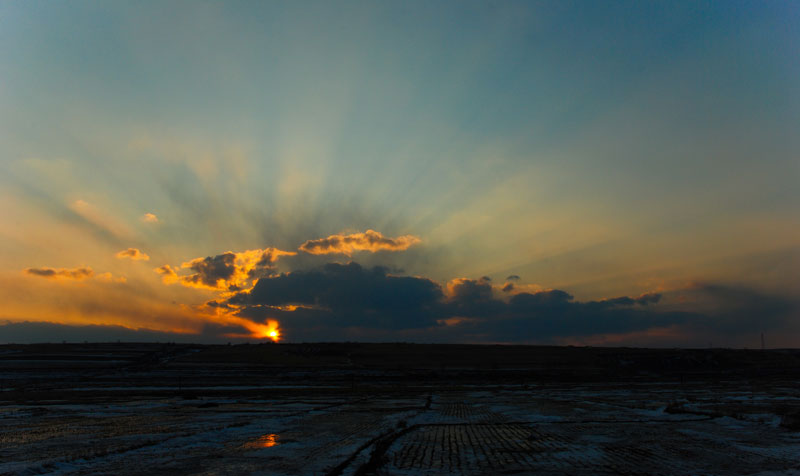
(264, 441)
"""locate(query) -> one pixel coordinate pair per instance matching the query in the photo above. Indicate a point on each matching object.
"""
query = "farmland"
(396, 409)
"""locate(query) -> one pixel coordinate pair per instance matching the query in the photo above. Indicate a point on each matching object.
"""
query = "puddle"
(265, 441)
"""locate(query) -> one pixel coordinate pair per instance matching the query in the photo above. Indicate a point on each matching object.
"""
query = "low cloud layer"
(61, 273)
(133, 254)
(370, 240)
(348, 300)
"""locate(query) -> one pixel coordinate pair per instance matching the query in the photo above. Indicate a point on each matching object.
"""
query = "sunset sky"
(555, 172)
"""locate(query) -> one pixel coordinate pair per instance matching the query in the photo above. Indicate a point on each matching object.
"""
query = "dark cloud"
(736, 309)
(61, 273)
(348, 294)
(513, 277)
(555, 313)
(471, 298)
(212, 269)
(218, 304)
(332, 301)
(710, 313)
(643, 300)
(339, 296)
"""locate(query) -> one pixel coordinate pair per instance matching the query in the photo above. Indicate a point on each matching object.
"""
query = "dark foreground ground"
(396, 409)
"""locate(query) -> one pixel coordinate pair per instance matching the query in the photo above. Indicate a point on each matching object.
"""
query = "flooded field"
(215, 411)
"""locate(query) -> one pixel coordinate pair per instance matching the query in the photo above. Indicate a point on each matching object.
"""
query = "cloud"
(133, 254)
(228, 271)
(737, 309)
(213, 272)
(348, 301)
(340, 295)
(471, 298)
(643, 300)
(370, 240)
(512, 285)
(149, 218)
(353, 302)
(75, 274)
(168, 274)
(61, 273)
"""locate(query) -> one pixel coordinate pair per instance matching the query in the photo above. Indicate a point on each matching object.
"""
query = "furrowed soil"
(396, 409)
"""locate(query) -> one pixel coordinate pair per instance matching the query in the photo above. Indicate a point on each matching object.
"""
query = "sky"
(549, 172)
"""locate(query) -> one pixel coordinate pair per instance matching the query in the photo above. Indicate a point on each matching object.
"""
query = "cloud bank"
(347, 300)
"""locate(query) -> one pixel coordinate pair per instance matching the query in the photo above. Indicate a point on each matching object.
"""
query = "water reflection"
(264, 441)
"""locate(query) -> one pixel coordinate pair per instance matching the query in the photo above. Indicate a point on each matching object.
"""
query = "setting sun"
(270, 330)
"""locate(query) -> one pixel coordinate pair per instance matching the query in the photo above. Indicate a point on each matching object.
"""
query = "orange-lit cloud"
(149, 218)
(228, 271)
(370, 240)
(61, 273)
(168, 274)
(132, 253)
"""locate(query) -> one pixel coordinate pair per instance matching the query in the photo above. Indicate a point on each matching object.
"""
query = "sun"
(271, 330)
(271, 333)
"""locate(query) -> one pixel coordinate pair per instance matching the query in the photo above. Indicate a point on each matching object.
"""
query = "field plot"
(613, 441)
(283, 410)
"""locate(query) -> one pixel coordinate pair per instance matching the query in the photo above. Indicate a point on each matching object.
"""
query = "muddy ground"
(396, 409)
